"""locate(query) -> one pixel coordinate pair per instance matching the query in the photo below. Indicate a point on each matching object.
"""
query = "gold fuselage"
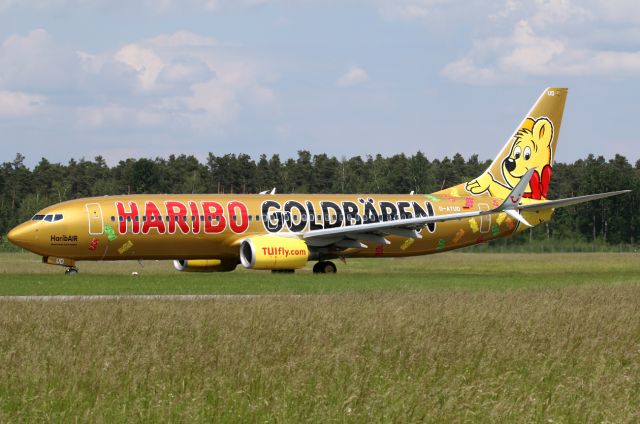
(212, 226)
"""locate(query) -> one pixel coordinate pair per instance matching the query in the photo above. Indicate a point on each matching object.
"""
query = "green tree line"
(23, 191)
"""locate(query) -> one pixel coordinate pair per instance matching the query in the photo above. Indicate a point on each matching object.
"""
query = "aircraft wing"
(352, 236)
(376, 231)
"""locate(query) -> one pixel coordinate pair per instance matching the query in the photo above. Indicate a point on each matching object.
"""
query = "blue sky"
(80, 78)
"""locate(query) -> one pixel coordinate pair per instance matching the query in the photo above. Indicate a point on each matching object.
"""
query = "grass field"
(447, 338)
(24, 274)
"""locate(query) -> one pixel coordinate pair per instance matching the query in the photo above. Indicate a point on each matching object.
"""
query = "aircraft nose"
(13, 236)
(18, 235)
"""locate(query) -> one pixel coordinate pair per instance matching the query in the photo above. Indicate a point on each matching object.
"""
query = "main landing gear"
(325, 267)
(72, 270)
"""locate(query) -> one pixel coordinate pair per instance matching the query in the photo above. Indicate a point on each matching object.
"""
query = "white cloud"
(542, 13)
(181, 81)
(144, 61)
(181, 39)
(157, 6)
(35, 63)
(355, 75)
(211, 6)
(184, 71)
(15, 104)
(524, 54)
(409, 9)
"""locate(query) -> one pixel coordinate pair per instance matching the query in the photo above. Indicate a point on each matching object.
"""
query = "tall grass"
(567, 354)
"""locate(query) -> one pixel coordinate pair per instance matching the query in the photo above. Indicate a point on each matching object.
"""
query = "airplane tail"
(532, 145)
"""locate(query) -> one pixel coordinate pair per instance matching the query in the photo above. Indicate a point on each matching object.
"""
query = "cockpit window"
(50, 217)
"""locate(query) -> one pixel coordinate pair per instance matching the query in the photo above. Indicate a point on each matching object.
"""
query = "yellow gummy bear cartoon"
(530, 148)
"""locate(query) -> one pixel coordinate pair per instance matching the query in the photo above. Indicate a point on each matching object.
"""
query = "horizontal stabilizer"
(560, 203)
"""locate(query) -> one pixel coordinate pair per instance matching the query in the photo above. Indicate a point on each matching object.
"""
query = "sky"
(120, 79)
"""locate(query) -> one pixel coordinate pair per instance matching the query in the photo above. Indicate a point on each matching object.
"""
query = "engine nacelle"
(204, 265)
(273, 252)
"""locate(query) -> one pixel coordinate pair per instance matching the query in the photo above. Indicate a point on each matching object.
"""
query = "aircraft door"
(94, 213)
(485, 220)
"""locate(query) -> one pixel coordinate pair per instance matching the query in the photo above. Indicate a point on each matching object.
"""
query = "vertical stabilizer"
(532, 145)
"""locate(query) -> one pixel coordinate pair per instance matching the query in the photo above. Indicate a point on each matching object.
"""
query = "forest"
(614, 221)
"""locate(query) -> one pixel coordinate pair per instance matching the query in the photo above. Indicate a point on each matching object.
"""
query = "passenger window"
(121, 219)
(48, 218)
(257, 217)
(113, 218)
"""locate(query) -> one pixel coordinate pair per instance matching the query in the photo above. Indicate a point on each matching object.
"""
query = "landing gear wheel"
(71, 271)
(325, 267)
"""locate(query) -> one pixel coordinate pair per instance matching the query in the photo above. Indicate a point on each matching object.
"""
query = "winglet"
(513, 199)
(511, 203)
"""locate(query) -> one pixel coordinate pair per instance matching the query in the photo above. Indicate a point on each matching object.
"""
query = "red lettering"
(241, 221)
(124, 217)
(214, 221)
(177, 213)
(195, 217)
(153, 219)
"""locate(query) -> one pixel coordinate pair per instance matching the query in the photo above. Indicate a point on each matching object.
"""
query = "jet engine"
(273, 252)
(204, 265)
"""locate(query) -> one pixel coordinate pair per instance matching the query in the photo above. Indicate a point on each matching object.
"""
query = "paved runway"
(180, 297)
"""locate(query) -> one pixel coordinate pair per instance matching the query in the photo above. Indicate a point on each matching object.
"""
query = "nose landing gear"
(72, 270)
(325, 267)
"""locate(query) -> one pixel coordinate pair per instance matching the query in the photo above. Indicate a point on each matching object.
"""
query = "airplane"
(283, 232)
